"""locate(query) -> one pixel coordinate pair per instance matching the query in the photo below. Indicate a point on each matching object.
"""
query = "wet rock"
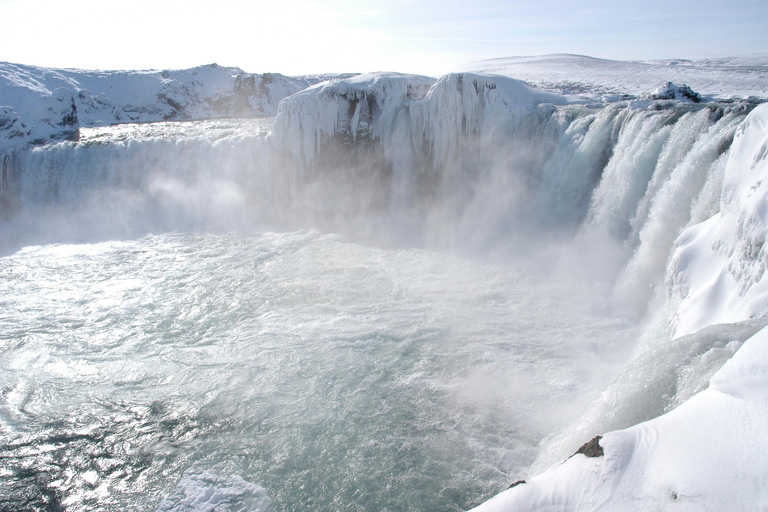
(592, 448)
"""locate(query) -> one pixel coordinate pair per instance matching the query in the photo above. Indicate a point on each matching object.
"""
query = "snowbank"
(708, 454)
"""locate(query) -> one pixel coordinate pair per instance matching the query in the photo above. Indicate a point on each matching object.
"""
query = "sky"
(416, 36)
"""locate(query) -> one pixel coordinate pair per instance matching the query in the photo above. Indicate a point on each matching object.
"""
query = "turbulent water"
(171, 341)
(336, 376)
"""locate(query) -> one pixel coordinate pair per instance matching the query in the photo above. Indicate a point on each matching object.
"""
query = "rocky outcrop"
(670, 91)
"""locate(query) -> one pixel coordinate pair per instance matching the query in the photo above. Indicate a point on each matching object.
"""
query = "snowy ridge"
(38, 103)
(609, 80)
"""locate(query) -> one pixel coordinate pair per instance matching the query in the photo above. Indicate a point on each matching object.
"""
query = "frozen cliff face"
(42, 102)
(404, 137)
(716, 272)
(361, 108)
(382, 106)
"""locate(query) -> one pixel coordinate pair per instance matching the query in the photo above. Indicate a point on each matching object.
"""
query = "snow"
(37, 103)
(716, 273)
(709, 452)
(609, 80)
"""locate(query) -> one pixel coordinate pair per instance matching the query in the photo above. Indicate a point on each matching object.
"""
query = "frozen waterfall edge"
(709, 450)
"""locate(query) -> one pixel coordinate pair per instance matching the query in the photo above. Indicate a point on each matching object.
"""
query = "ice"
(716, 272)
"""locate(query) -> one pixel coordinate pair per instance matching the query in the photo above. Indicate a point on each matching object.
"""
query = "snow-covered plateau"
(400, 293)
(39, 103)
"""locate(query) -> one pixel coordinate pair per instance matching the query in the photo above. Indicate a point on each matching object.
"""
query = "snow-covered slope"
(37, 103)
(608, 79)
(709, 453)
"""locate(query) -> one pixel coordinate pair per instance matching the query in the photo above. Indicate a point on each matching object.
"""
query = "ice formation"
(667, 170)
(205, 490)
(708, 453)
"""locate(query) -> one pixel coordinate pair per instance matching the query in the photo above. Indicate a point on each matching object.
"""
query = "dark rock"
(592, 448)
(670, 91)
(519, 482)
(67, 108)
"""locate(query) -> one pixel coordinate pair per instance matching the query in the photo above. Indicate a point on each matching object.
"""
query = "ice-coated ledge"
(411, 109)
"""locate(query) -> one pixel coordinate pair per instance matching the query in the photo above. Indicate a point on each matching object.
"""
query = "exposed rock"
(670, 91)
(592, 448)
(519, 482)
(65, 107)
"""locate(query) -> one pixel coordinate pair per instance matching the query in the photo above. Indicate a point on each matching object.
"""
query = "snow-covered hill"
(38, 103)
(609, 80)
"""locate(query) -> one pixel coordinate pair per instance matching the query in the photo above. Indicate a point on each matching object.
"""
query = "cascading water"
(171, 340)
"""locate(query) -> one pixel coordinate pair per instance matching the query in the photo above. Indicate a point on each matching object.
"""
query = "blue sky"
(420, 36)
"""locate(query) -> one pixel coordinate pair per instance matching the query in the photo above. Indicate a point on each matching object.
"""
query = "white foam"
(205, 490)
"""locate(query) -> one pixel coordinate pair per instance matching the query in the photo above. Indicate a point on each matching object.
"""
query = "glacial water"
(334, 375)
(174, 339)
